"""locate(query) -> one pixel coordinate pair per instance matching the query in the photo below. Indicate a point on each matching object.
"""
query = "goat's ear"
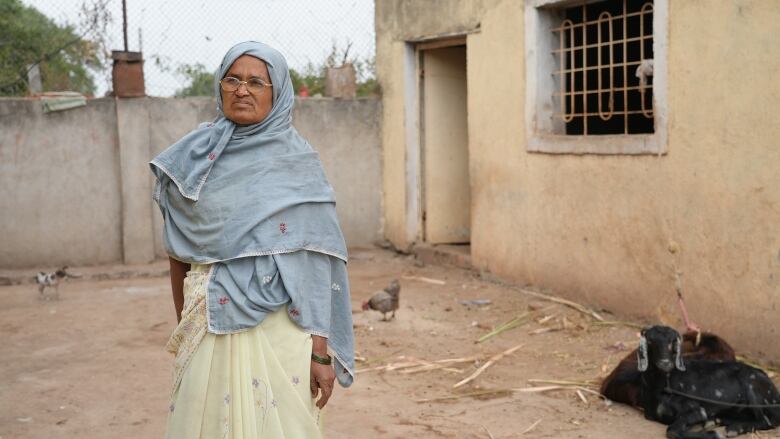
(678, 358)
(641, 354)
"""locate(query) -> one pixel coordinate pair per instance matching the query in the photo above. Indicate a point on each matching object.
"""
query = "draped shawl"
(230, 192)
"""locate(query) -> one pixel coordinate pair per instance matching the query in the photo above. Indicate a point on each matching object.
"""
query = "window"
(596, 76)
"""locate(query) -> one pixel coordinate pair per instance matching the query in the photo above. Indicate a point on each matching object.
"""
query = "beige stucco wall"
(599, 229)
(77, 185)
(60, 178)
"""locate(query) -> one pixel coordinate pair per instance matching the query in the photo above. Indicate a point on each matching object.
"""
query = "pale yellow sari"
(253, 384)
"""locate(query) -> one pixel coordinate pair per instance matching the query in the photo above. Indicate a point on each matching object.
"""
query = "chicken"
(385, 301)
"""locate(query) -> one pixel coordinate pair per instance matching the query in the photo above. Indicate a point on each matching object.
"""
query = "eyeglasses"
(253, 85)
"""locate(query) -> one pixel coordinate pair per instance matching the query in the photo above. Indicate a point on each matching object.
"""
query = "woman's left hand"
(322, 376)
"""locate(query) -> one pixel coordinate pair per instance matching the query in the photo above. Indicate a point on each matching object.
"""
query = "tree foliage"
(65, 57)
(200, 81)
(312, 77)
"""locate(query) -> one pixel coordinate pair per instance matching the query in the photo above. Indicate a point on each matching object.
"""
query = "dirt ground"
(92, 364)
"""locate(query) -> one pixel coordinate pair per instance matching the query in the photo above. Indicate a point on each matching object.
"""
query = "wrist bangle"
(326, 360)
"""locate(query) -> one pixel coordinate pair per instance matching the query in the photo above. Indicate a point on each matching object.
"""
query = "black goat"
(624, 384)
(685, 394)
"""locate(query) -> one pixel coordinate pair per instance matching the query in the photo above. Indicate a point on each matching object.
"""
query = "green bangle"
(326, 360)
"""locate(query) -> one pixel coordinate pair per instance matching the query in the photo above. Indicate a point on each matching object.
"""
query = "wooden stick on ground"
(487, 364)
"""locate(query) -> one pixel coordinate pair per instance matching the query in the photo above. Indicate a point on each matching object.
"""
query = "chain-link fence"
(58, 45)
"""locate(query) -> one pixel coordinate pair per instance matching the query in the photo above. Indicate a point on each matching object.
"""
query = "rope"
(716, 402)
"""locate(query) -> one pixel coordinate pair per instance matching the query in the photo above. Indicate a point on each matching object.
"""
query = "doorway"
(445, 188)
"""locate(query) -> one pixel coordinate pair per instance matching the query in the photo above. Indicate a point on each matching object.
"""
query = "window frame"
(540, 85)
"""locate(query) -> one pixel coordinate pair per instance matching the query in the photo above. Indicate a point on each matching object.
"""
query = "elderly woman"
(258, 264)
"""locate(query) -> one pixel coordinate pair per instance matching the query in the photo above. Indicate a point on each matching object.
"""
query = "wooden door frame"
(415, 130)
(414, 225)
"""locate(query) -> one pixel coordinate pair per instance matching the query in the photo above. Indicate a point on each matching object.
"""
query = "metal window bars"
(615, 43)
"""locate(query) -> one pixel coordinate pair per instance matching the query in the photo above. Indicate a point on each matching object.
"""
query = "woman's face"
(243, 106)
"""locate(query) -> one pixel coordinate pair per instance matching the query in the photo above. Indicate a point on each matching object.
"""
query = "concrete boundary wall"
(78, 186)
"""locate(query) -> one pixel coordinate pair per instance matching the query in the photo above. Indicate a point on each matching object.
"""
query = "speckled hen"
(385, 301)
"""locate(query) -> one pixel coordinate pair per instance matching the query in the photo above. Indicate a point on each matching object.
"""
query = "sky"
(175, 32)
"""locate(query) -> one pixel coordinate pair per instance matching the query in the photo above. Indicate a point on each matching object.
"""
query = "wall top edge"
(440, 36)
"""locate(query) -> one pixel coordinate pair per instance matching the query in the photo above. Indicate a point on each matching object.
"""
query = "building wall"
(611, 231)
(78, 186)
(59, 172)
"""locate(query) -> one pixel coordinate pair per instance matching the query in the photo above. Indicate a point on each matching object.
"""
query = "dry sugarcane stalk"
(459, 360)
(370, 369)
(380, 359)
(426, 279)
(511, 324)
(487, 364)
(581, 308)
(617, 323)
(488, 432)
(539, 389)
(414, 365)
(391, 366)
(405, 365)
(442, 364)
(515, 322)
(543, 331)
(532, 426)
(467, 395)
(549, 388)
(424, 368)
(510, 391)
(430, 367)
(411, 363)
(563, 382)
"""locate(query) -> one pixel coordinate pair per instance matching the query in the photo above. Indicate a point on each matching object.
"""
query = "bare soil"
(92, 364)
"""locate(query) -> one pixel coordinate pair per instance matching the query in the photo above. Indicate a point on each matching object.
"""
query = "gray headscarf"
(188, 161)
(266, 191)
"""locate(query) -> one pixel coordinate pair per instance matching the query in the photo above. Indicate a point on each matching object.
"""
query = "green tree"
(200, 80)
(29, 37)
(312, 77)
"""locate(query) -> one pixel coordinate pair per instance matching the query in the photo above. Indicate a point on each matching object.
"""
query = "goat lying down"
(623, 384)
(685, 394)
